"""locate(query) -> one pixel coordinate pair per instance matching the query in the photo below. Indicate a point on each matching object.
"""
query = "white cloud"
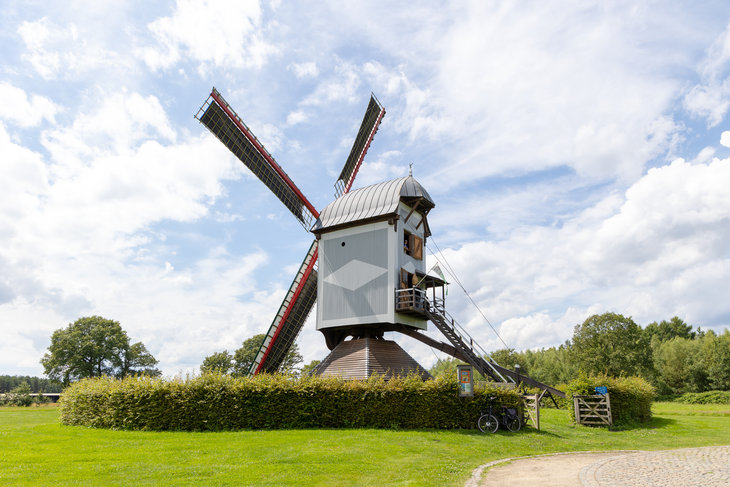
(296, 117)
(76, 236)
(341, 86)
(652, 256)
(221, 32)
(17, 107)
(55, 50)
(711, 97)
(305, 70)
(725, 138)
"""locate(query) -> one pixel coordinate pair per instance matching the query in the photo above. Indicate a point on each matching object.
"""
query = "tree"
(218, 362)
(136, 360)
(666, 330)
(445, 367)
(308, 369)
(550, 366)
(680, 366)
(507, 357)
(245, 356)
(94, 346)
(613, 344)
(20, 396)
(716, 352)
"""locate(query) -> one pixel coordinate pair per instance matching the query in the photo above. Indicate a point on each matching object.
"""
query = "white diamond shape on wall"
(355, 274)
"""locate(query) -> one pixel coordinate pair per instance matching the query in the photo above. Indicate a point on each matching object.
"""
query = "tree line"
(674, 356)
(35, 384)
(671, 355)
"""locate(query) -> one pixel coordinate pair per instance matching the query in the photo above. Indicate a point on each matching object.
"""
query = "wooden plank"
(593, 410)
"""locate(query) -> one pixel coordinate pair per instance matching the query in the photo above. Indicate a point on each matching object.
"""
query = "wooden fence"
(593, 410)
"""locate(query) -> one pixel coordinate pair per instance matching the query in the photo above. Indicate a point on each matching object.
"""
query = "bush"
(19, 396)
(709, 397)
(220, 402)
(631, 397)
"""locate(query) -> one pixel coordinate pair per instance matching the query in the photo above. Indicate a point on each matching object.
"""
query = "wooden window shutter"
(403, 277)
(416, 245)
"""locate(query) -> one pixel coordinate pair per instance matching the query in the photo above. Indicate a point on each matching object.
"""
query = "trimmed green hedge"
(631, 397)
(220, 402)
(709, 397)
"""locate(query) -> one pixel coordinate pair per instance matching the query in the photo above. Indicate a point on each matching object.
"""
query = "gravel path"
(688, 467)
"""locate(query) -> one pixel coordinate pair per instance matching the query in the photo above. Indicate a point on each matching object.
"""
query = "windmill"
(369, 253)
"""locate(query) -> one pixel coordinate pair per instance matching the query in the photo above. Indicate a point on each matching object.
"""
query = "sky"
(578, 155)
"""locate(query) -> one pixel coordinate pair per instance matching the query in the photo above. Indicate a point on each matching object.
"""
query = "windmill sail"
(370, 122)
(225, 124)
(302, 293)
(290, 318)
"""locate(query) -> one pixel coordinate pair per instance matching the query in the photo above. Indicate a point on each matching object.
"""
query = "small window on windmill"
(413, 245)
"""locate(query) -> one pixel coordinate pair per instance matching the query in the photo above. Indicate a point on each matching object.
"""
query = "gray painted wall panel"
(354, 273)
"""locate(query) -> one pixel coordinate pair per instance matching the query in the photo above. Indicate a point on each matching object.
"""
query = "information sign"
(465, 375)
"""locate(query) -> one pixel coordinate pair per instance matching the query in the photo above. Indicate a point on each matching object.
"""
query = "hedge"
(708, 397)
(631, 397)
(214, 402)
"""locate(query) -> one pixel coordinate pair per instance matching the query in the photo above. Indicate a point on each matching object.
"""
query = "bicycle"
(489, 423)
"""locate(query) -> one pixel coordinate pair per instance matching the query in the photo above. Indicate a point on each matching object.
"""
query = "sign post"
(465, 375)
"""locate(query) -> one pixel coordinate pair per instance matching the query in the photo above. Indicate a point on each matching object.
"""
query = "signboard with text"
(465, 375)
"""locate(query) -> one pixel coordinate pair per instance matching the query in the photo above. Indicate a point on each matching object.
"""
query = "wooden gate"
(593, 410)
(532, 408)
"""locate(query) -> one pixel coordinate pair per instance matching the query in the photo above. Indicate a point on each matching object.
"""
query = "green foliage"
(553, 365)
(37, 384)
(631, 397)
(611, 344)
(445, 368)
(507, 357)
(708, 397)
(221, 402)
(716, 351)
(667, 330)
(136, 360)
(309, 368)
(218, 362)
(244, 357)
(680, 366)
(92, 347)
(19, 396)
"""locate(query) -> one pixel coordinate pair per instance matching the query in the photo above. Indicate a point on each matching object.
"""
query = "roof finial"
(410, 169)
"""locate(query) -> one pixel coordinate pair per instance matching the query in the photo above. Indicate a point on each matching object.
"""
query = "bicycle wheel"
(513, 424)
(488, 423)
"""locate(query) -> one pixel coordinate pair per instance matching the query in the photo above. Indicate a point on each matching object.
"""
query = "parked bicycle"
(489, 421)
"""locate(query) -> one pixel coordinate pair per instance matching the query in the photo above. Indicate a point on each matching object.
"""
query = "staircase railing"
(462, 340)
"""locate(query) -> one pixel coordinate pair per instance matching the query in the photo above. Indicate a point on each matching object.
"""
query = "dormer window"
(413, 245)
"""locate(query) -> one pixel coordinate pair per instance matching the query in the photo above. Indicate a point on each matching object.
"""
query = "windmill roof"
(373, 201)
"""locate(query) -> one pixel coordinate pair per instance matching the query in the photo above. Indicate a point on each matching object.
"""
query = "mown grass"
(35, 449)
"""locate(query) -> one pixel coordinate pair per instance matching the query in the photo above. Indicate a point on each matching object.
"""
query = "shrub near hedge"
(220, 402)
(631, 397)
(707, 397)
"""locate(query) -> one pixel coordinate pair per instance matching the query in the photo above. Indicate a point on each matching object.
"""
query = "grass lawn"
(35, 449)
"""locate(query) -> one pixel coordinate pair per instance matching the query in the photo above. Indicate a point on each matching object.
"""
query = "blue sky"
(579, 158)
